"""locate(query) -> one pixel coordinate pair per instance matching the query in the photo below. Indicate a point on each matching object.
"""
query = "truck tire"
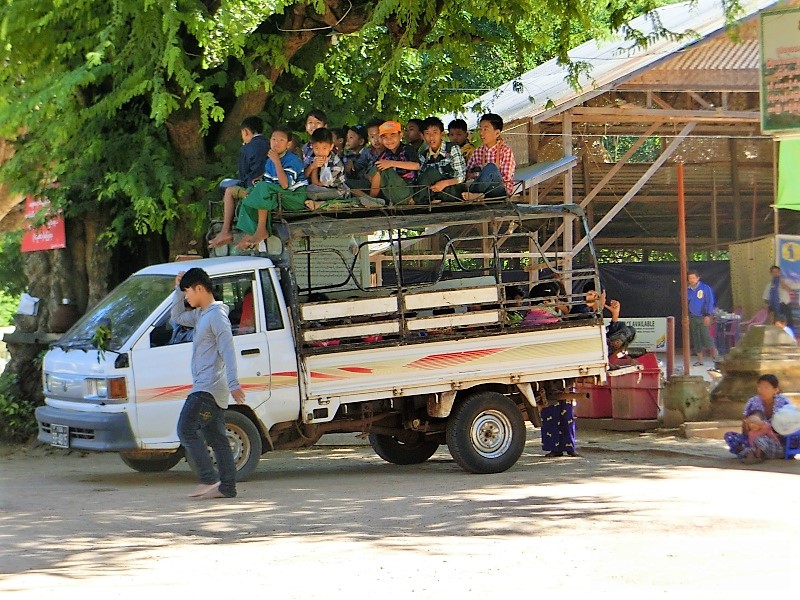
(486, 433)
(152, 465)
(392, 450)
(245, 441)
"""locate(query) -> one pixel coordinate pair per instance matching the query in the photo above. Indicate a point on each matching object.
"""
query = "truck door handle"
(250, 351)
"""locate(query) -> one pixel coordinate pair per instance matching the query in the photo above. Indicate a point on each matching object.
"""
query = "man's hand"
(384, 164)
(614, 308)
(319, 161)
(274, 156)
(707, 320)
(178, 278)
(238, 395)
(438, 186)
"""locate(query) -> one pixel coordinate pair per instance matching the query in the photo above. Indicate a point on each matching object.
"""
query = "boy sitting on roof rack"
(357, 180)
(396, 168)
(327, 175)
(442, 166)
(458, 132)
(492, 164)
(284, 184)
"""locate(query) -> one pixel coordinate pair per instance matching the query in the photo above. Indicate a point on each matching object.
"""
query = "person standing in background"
(701, 308)
(776, 297)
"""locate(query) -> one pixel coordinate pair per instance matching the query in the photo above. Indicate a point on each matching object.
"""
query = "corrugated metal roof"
(719, 53)
(610, 61)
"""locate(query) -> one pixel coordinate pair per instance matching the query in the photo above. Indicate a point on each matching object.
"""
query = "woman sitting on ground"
(764, 444)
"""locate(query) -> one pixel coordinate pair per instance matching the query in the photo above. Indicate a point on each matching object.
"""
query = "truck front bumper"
(99, 432)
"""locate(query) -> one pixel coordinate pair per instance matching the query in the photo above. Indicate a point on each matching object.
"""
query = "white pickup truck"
(335, 336)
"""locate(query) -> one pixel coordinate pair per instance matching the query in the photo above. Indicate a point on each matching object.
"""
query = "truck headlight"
(111, 388)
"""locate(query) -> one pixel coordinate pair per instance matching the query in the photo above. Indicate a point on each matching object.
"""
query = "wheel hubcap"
(240, 446)
(491, 434)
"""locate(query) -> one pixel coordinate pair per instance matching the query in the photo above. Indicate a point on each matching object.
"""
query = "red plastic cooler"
(593, 402)
(637, 395)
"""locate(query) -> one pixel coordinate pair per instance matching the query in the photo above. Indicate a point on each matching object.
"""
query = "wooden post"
(714, 216)
(687, 351)
(533, 142)
(586, 181)
(379, 270)
(533, 239)
(737, 201)
(569, 227)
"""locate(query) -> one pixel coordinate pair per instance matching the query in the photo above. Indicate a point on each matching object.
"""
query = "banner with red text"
(51, 236)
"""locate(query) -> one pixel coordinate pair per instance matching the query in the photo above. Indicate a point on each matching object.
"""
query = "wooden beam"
(648, 241)
(601, 184)
(660, 101)
(700, 100)
(586, 181)
(569, 227)
(737, 203)
(590, 114)
(669, 151)
(533, 142)
(714, 220)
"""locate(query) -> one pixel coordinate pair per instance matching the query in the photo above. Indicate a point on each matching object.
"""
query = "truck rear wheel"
(486, 433)
(245, 442)
(155, 464)
(392, 450)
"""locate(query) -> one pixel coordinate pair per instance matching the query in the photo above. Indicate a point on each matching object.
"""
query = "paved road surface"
(636, 514)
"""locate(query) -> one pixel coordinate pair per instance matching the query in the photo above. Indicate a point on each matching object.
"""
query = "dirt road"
(642, 514)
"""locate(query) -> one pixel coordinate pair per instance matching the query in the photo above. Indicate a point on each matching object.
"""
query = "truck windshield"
(123, 311)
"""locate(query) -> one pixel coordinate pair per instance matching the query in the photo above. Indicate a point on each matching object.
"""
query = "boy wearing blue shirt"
(701, 307)
(284, 184)
(252, 157)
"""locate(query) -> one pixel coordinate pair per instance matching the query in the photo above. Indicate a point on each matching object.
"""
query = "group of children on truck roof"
(364, 166)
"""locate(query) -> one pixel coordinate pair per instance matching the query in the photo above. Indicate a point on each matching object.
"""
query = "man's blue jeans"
(202, 424)
(489, 182)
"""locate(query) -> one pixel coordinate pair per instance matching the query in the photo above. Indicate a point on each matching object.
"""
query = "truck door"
(161, 361)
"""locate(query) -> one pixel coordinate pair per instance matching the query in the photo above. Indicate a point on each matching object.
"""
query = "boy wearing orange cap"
(396, 168)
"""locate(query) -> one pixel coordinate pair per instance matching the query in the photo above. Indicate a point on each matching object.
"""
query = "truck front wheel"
(392, 450)
(151, 464)
(486, 433)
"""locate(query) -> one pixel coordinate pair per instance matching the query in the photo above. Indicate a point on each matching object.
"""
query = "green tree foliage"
(128, 103)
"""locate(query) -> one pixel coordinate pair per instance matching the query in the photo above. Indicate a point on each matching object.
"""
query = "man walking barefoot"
(214, 377)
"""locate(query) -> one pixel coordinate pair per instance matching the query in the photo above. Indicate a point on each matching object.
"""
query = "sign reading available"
(51, 236)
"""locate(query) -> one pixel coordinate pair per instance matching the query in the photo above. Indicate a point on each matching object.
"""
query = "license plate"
(60, 435)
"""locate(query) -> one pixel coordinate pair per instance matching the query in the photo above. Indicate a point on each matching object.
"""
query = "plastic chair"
(792, 444)
(247, 322)
(758, 319)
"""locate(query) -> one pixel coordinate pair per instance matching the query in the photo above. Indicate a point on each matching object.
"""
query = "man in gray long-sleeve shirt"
(214, 377)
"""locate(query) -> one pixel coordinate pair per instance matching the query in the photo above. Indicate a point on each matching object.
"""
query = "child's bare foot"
(313, 204)
(214, 493)
(203, 489)
(221, 239)
(472, 196)
(251, 241)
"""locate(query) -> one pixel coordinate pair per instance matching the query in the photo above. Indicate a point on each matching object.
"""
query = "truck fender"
(529, 399)
(440, 405)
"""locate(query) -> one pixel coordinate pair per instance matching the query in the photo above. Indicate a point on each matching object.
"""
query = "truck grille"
(76, 433)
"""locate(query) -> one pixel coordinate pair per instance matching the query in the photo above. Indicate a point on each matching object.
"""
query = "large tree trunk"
(79, 272)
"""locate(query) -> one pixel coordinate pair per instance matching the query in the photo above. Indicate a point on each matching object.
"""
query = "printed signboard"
(51, 236)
